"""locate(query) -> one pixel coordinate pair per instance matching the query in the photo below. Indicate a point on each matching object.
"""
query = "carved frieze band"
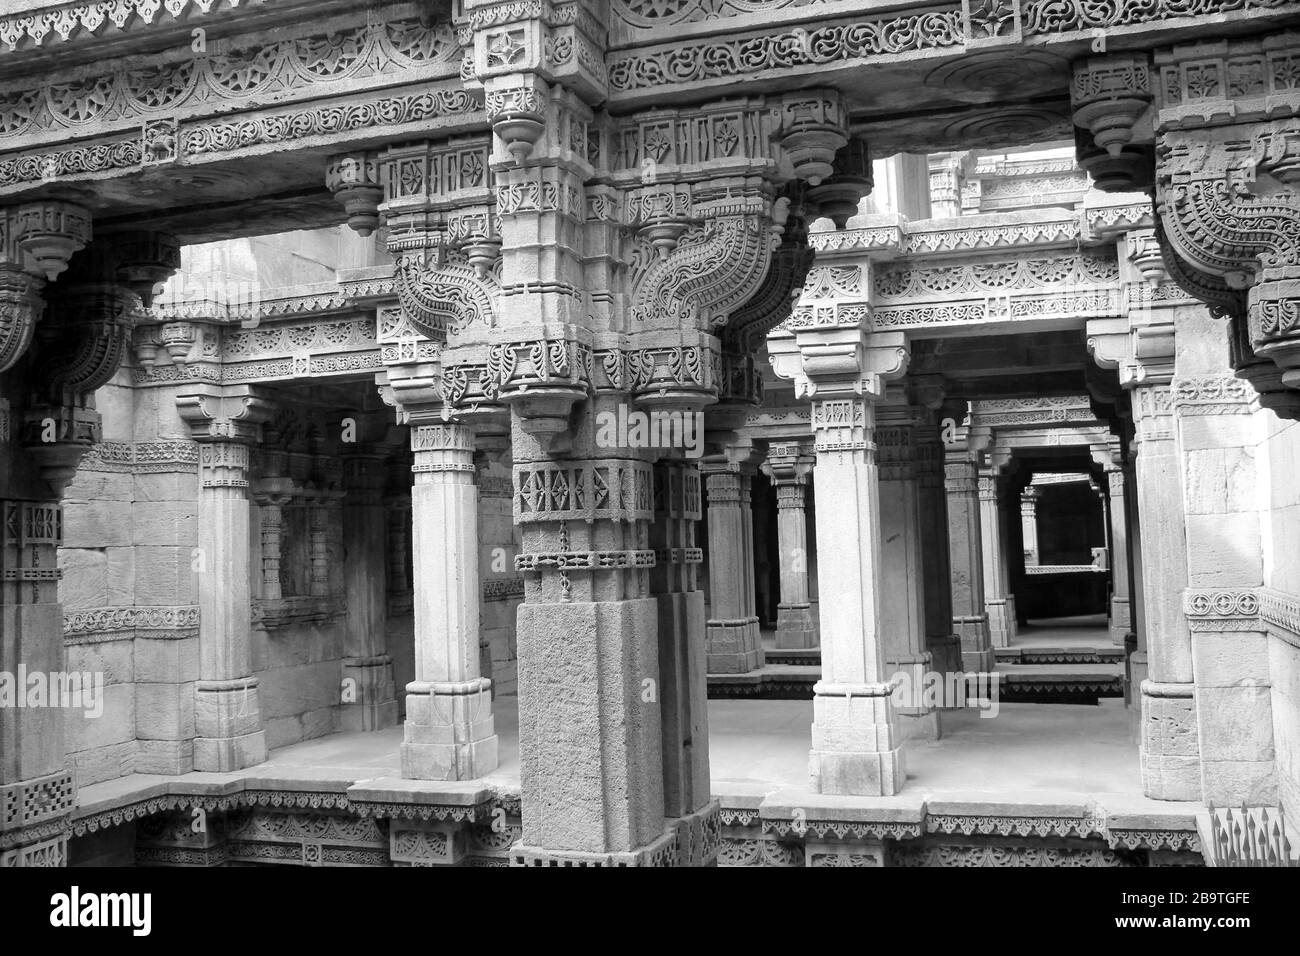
(141, 457)
(117, 623)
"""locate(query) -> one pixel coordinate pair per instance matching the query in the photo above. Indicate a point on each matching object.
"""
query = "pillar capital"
(231, 414)
(740, 457)
(789, 462)
(840, 361)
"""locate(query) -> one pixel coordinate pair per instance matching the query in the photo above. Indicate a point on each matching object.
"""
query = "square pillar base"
(1002, 623)
(795, 628)
(663, 852)
(224, 754)
(369, 695)
(450, 731)
(922, 726)
(228, 725)
(734, 647)
(1121, 620)
(854, 741)
(976, 650)
(1170, 746)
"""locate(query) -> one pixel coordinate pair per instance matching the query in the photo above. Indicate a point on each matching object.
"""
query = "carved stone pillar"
(450, 732)
(1170, 749)
(970, 618)
(789, 466)
(1137, 662)
(855, 744)
(947, 181)
(227, 713)
(1029, 525)
(734, 643)
(682, 684)
(619, 262)
(1141, 347)
(944, 645)
(902, 606)
(1002, 615)
(1116, 511)
(271, 499)
(369, 697)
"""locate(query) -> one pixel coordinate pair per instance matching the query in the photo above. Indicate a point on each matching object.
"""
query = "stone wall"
(1280, 609)
(129, 590)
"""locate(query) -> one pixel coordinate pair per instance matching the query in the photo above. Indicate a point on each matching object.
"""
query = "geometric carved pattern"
(31, 802)
(615, 490)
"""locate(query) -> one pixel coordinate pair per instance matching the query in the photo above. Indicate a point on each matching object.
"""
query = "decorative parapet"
(1039, 286)
(929, 832)
(1064, 569)
(49, 25)
(35, 810)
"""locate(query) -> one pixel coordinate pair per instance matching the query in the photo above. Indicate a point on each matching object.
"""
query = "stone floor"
(1028, 755)
(1064, 632)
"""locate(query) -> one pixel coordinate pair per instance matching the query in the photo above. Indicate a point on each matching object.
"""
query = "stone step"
(1018, 683)
(1101, 654)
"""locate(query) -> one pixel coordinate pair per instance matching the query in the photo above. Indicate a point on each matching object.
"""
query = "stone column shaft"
(1121, 614)
(970, 617)
(1169, 748)
(227, 715)
(1029, 525)
(683, 686)
(1002, 617)
(902, 604)
(790, 467)
(854, 745)
(450, 733)
(943, 644)
(734, 644)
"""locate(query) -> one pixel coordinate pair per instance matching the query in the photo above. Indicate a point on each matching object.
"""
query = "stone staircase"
(1065, 661)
